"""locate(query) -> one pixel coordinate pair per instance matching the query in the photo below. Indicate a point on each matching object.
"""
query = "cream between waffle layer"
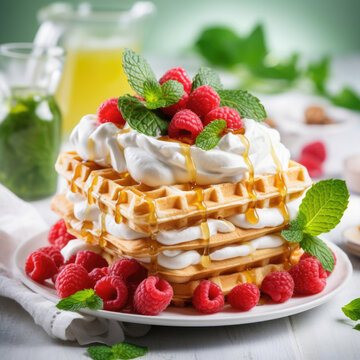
(154, 162)
(176, 259)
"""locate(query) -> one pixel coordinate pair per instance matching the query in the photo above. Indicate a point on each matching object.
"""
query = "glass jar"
(30, 119)
(94, 40)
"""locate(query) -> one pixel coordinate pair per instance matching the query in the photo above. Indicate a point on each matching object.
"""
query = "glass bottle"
(30, 119)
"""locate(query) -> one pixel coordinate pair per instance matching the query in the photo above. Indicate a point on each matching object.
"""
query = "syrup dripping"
(85, 233)
(281, 185)
(251, 214)
(76, 175)
(94, 182)
(199, 203)
(102, 240)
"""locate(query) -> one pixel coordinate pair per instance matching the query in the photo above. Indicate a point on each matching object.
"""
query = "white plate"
(190, 317)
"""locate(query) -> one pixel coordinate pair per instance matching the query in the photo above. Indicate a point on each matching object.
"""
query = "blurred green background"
(311, 27)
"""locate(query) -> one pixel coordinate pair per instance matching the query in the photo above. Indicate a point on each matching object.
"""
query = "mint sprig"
(320, 211)
(352, 311)
(207, 76)
(81, 299)
(210, 136)
(143, 81)
(118, 351)
(246, 104)
(140, 118)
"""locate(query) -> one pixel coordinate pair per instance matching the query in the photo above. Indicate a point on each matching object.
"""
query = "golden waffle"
(140, 248)
(254, 274)
(144, 208)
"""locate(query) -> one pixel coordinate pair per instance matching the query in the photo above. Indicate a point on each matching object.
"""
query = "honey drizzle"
(199, 203)
(251, 214)
(281, 185)
(85, 233)
(102, 240)
(77, 173)
(94, 182)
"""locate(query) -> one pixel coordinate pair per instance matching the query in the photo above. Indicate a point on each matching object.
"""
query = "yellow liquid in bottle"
(90, 76)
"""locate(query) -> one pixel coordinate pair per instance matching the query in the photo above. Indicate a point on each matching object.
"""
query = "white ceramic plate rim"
(189, 316)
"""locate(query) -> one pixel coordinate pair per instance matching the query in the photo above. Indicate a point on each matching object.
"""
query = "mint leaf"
(316, 247)
(171, 92)
(81, 299)
(210, 136)
(207, 76)
(101, 352)
(137, 70)
(319, 73)
(246, 104)
(220, 46)
(118, 351)
(128, 351)
(357, 327)
(152, 94)
(347, 98)
(352, 310)
(140, 118)
(294, 233)
(324, 205)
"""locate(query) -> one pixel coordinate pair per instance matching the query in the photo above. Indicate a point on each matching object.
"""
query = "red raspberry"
(279, 285)
(180, 75)
(72, 278)
(58, 235)
(309, 276)
(113, 291)
(71, 260)
(306, 256)
(129, 306)
(129, 269)
(208, 297)
(185, 123)
(39, 266)
(202, 100)
(90, 260)
(98, 273)
(316, 149)
(108, 111)
(152, 296)
(230, 115)
(54, 253)
(180, 105)
(244, 296)
(312, 164)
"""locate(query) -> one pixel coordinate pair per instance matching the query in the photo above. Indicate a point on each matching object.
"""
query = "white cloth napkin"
(19, 221)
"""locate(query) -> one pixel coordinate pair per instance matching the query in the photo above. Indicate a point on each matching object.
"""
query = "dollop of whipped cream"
(76, 245)
(155, 162)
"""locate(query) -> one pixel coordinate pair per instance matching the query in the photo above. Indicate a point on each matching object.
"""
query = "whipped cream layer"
(177, 259)
(155, 162)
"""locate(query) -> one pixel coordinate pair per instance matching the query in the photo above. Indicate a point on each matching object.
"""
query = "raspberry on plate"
(244, 296)
(180, 105)
(58, 235)
(40, 266)
(108, 111)
(230, 115)
(316, 149)
(152, 296)
(180, 75)
(185, 123)
(90, 260)
(129, 269)
(306, 256)
(208, 297)
(113, 291)
(202, 100)
(54, 253)
(279, 285)
(96, 274)
(309, 276)
(72, 278)
(312, 164)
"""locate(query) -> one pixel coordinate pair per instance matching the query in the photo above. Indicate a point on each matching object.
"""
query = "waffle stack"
(151, 211)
